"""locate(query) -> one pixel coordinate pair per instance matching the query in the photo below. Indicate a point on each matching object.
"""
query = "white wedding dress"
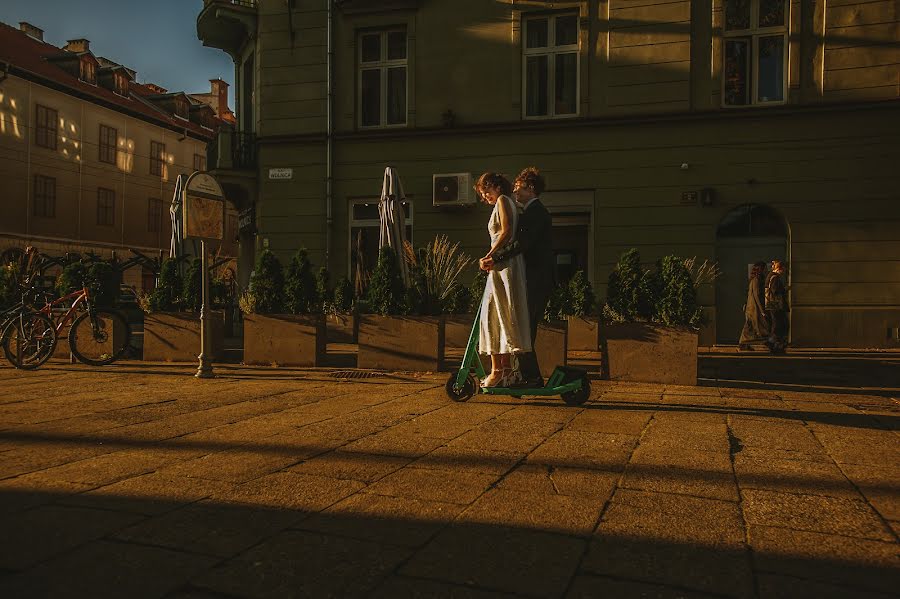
(505, 326)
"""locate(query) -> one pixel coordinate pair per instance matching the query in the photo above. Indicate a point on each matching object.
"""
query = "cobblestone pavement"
(138, 480)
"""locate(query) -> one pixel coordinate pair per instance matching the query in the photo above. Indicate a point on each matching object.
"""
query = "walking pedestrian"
(777, 308)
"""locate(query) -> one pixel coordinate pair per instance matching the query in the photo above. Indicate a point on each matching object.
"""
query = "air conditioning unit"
(454, 189)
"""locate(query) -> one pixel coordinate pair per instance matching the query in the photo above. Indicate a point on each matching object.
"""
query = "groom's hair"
(531, 177)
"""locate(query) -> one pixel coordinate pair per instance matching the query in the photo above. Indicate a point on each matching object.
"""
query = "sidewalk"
(137, 480)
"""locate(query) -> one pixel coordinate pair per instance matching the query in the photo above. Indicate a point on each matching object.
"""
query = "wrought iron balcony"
(227, 24)
(232, 150)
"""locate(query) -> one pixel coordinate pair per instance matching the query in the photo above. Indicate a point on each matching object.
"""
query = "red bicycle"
(98, 336)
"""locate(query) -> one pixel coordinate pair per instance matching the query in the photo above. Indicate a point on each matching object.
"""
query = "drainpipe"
(329, 150)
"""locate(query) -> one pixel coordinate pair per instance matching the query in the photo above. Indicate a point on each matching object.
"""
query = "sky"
(158, 39)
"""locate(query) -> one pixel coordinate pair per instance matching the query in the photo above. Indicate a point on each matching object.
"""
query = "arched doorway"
(747, 234)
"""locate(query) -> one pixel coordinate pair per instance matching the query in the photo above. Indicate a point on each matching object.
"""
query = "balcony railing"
(247, 3)
(232, 150)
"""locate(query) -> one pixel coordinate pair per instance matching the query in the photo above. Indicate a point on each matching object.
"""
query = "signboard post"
(203, 209)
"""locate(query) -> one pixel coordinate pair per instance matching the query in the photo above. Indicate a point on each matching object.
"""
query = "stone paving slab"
(139, 480)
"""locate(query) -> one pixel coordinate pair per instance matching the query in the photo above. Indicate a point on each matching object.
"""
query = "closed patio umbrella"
(393, 220)
(177, 244)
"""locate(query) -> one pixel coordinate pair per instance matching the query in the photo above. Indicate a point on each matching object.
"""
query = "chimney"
(32, 31)
(220, 91)
(78, 46)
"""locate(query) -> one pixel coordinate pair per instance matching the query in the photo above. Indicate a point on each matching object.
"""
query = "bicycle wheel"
(29, 340)
(100, 337)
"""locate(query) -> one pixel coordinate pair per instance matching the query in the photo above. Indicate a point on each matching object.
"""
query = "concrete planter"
(342, 328)
(648, 353)
(175, 336)
(551, 346)
(457, 329)
(284, 339)
(584, 333)
(401, 342)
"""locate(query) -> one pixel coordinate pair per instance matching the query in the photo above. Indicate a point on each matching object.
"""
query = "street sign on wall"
(203, 208)
(281, 173)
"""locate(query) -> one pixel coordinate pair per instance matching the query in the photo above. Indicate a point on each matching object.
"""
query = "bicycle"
(98, 336)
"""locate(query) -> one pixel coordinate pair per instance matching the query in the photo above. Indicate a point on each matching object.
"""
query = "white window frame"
(373, 223)
(383, 64)
(551, 50)
(754, 33)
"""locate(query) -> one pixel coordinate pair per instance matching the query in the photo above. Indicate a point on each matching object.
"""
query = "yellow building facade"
(731, 131)
(86, 171)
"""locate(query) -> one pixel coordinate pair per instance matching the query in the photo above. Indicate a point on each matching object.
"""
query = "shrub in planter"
(9, 295)
(172, 324)
(101, 278)
(652, 337)
(576, 307)
(271, 336)
(343, 324)
(392, 339)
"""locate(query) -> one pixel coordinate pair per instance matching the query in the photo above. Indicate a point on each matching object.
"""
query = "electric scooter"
(572, 384)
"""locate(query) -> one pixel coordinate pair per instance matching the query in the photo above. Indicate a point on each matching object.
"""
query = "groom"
(533, 241)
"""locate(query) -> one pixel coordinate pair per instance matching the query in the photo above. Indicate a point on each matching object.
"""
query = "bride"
(504, 329)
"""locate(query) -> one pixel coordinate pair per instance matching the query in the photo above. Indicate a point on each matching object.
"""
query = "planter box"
(584, 333)
(175, 336)
(457, 329)
(342, 328)
(284, 339)
(647, 353)
(401, 342)
(551, 346)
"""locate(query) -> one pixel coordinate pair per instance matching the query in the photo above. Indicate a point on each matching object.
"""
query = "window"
(365, 228)
(157, 158)
(550, 66)
(382, 79)
(755, 52)
(154, 215)
(106, 207)
(108, 141)
(121, 83)
(87, 71)
(199, 162)
(44, 196)
(46, 127)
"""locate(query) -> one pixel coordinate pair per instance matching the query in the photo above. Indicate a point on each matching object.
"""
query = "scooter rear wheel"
(465, 393)
(579, 396)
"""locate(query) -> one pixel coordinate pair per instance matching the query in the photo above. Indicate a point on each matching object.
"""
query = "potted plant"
(172, 318)
(343, 324)
(653, 321)
(406, 330)
(577, 311)
(284, 320)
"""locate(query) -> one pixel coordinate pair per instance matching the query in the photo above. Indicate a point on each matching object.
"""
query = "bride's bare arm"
(505, 227)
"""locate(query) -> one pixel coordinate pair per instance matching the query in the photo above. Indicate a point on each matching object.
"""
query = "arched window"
(752, 220)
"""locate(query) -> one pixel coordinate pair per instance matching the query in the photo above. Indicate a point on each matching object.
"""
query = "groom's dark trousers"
(534, 243)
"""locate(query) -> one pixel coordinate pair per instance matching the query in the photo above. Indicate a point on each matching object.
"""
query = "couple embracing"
(520, 277)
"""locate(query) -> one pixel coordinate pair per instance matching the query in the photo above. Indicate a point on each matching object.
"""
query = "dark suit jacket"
(533, 241)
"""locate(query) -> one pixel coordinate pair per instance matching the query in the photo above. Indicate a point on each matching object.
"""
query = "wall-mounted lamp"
(685, 166)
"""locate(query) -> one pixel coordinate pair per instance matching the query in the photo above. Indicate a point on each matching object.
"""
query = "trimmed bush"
(343, 296)
(476, 291)
(267, 284)
(677, 305)
(323, 291)
(460, 301)
(101, 278)
(386, 291)
(167, 295)
(192, 286)
(623, 291)
(580, 296)
(300, 286)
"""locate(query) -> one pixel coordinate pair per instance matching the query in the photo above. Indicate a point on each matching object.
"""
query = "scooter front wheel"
(464, 393)
(579, 396)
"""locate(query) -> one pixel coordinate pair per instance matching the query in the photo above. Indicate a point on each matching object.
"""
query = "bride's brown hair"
(491, 179)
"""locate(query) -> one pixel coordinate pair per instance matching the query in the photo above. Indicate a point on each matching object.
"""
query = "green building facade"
(727, 130)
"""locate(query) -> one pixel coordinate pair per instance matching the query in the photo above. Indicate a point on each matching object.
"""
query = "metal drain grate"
(354, 374)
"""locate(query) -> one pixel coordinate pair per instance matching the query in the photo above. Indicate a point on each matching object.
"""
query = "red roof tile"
(33, 59)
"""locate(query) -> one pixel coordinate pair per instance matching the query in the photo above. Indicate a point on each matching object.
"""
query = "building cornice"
(530, 126)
